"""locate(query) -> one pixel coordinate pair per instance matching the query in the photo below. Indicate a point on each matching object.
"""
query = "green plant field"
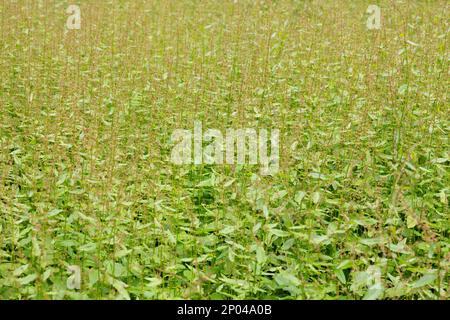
(357, 210)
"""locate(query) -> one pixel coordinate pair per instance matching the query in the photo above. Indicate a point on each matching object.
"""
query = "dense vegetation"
(358, 209)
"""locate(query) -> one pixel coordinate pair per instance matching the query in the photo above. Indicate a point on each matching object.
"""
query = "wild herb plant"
(358, 209)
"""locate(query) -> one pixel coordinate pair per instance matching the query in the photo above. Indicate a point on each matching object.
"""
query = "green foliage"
(358, 210)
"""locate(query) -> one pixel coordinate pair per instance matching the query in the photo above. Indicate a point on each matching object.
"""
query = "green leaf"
(28, 279)
(227, 230)
(411, 222)
(210, 182)
(346, 264)
(119, 286)
(153, 282)
(375, 292)
(20, 270)
(260, 254)
(317, 175)
(317, 239)
(403, 89)
(47, 274)
(288, 244)
(285, 279)
(54, 212)
(371, 241)
(89, 247)
(425, 280)
(299, 196)
(340, 275)
(316, 197)
(279, 233)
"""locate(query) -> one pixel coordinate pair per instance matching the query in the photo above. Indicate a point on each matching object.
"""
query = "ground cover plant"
(91, 207)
